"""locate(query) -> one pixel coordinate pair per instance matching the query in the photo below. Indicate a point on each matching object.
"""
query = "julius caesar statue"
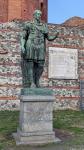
(33, 49)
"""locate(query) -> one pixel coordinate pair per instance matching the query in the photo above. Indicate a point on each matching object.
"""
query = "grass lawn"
(67, 122)
(72, 123)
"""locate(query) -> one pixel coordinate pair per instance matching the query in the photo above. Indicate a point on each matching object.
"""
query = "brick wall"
(10, 72)
(43, 5)
(66, 91)
(3, 10)
(14, 9)
(28, 8)
(21, 9)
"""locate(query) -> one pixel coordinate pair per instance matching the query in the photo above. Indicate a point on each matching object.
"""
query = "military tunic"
(35, 43)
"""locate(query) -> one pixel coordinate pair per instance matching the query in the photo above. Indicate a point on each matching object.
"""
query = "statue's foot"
(38, 85)
(32, 85)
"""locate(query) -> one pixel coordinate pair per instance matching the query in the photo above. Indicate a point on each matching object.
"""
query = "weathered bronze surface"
(33, 50)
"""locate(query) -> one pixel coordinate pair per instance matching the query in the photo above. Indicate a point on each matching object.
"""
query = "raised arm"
(51, 38)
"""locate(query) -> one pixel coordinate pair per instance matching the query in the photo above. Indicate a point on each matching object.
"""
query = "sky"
(61, 10)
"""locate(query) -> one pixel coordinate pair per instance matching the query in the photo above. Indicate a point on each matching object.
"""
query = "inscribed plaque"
(63, 63)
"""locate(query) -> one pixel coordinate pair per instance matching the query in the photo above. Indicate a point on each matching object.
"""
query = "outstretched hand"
(57, 34)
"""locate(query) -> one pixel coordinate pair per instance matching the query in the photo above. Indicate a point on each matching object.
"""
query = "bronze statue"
(33, 50)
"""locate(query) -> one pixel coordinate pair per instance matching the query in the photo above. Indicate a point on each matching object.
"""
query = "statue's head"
(37, 14)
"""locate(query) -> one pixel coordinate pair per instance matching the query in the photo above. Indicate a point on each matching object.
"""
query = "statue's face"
(37, 15)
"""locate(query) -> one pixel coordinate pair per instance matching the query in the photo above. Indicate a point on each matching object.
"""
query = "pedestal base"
(36, 119)
(37, 139)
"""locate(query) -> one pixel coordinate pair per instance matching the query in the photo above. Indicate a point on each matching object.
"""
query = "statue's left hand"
(57, 34)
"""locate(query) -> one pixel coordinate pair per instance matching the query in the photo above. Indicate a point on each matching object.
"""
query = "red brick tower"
(22, 9)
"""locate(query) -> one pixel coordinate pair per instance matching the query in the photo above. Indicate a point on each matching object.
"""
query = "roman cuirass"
(35, 44)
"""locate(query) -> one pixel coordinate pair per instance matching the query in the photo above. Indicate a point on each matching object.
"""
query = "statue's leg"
(31, 73)
(39, 71)
(27, 73)
(34, 73)
(25, 78)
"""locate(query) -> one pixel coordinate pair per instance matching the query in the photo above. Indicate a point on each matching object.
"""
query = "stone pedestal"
(36, 120)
